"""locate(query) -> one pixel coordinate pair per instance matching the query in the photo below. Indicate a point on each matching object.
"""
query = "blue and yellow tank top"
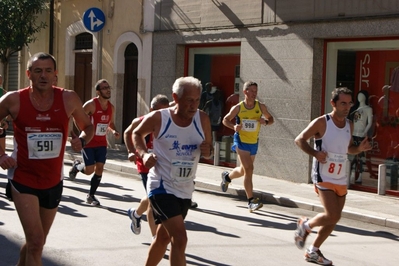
(249, 119)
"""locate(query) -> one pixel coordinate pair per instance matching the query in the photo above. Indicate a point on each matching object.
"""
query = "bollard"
(216, 153)
(348, 172)
(382, 173)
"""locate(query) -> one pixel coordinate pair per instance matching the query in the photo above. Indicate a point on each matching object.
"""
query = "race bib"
(182, 171)
(336, 165)
(44, 145)
(249, 125)
(101, 129)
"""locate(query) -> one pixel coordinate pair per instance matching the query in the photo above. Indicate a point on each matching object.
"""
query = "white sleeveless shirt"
(335, 142)
(178, 153)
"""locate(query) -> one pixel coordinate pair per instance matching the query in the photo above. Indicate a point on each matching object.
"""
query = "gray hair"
(159, 99)
(180, 84)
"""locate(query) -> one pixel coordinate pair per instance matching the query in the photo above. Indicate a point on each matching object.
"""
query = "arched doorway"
(83, 68)
(130, 85)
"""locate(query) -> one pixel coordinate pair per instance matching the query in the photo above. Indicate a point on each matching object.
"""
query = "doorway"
(130, 85)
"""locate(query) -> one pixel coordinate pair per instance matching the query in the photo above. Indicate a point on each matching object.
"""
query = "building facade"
(296, 50)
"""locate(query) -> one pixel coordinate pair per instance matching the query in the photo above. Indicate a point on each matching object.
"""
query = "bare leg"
(246, 168)
(333, 205)
(36, 222)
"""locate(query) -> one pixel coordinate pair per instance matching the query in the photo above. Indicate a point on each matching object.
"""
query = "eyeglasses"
(106, 88)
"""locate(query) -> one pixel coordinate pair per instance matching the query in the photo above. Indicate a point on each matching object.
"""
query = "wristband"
(83, 142)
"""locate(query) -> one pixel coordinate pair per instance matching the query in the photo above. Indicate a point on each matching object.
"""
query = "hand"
(132, 157)
(149, 160)
(206, 148)
(237, 127)
(116, 134)
(365, 145)
(76, 144)
(321, 156)
(262, 121)
(7, 162)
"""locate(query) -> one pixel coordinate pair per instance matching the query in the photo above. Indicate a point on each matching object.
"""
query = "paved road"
(221, 231)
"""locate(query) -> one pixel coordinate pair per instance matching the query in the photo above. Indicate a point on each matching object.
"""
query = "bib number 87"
(46, 145)
(335, 169)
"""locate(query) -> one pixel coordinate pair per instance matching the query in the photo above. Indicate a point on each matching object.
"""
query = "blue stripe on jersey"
(166, 128)
(196, 127)
(318, 148)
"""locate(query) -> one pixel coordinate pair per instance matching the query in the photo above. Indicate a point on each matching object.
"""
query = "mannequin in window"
(362, 121)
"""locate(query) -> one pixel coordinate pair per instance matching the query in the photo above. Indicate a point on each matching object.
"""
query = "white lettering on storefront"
(364, 71)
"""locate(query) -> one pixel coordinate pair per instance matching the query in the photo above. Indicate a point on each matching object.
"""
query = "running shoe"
(317, 257)
(74, 170)
(225, 184)
(254, 205)
(92, 200)
(301, 233)
(135, 226)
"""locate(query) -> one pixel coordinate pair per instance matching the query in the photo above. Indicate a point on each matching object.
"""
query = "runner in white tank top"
(178, 152)
(335, 140)
(182, 134)
(332, 134)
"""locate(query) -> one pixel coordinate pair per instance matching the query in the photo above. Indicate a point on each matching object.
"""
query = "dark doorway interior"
(130, 85)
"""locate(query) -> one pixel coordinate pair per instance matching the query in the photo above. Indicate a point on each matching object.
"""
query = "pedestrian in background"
(101, 112)
(249, 115)
(40, 116)
(182, 134)
(158, 102)
(333, 141)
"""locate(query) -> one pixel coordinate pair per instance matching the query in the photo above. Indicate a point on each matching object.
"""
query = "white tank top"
(335, 142)
(178, 153)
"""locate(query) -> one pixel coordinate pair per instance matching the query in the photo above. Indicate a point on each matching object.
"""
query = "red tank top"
(100, 120)
(39, 142)
(139, 162)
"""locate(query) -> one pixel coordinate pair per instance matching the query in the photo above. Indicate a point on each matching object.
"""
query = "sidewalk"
(362, 206)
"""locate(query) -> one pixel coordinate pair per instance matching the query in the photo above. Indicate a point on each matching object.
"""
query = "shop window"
(371, 70)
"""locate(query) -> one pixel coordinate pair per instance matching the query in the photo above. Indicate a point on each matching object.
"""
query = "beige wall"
(123, 20)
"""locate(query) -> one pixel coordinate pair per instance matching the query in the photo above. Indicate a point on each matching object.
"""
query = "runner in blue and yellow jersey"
(249, 115)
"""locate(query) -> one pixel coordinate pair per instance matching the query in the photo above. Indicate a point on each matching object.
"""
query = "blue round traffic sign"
(94, 19)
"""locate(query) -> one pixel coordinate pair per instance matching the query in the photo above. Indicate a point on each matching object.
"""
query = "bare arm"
(206, 146)
(150, 124)
(230, 116)
(127, 137)
(73, 107)
(268, 118)
(112, 123)
(315, 129)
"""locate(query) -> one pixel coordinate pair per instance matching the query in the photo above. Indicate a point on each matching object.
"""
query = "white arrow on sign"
(94, 23)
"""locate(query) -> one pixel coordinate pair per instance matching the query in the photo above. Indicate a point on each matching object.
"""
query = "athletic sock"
(313, 248)
(94, 183)
(80, 167)
(250, 199)
(227, 178)
(136, 215)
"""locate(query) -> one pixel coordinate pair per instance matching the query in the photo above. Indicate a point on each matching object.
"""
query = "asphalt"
(368, 207)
